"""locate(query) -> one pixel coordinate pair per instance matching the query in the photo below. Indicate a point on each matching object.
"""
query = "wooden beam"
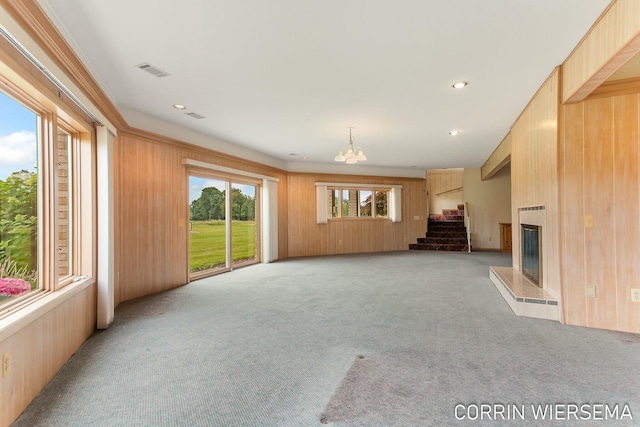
(616, 87)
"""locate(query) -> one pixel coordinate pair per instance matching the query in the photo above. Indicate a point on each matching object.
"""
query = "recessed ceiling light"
(305, 157)
(179, 107)
(459, 85)
(454, 132)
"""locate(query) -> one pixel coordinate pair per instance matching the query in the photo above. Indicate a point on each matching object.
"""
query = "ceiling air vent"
(153, 70)
(195, 115)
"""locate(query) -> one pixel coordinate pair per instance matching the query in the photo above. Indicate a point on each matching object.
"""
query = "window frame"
(81, 175)
(324, 213)
(359, 189)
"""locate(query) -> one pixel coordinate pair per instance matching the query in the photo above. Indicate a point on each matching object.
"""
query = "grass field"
(207, 243)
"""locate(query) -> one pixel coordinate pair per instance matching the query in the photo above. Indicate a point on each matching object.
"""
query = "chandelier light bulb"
(349, 155)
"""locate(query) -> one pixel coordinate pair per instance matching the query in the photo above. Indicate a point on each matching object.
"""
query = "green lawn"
(207, 243)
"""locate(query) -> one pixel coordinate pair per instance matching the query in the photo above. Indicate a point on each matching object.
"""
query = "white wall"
(489, 204)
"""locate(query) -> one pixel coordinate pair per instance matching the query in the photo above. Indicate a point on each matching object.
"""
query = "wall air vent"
(153, 70)
(195, 115)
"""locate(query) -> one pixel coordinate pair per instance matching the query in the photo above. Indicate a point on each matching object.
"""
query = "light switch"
(591, 291)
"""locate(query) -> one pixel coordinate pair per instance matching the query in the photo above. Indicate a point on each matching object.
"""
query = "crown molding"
(150, 137)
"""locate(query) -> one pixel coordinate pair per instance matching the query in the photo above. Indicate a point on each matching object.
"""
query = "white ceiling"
(289, 76)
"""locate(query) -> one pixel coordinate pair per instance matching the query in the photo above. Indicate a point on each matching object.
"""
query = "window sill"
(42, 304)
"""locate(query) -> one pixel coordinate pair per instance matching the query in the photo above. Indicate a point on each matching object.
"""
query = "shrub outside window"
(18, 200)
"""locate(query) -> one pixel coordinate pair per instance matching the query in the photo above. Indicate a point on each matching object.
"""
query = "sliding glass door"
(244, 231)
(223, 231)
(207, 226)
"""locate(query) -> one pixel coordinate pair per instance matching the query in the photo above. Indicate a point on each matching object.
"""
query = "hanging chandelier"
(349, 155)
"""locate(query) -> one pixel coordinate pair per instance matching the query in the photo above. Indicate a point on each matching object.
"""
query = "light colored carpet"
(389, 339)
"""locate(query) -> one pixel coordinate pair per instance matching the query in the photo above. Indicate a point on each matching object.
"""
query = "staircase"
(446, 232)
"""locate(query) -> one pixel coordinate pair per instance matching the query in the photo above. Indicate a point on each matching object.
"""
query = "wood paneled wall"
(612, 41)
(41, 348)
(307, 238)
(534, 175)
(600, 178)
(498, 159)
(489, 204)
(445, 188)
(151, 205)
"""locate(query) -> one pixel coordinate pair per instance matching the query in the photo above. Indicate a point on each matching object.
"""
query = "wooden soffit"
(612, 41)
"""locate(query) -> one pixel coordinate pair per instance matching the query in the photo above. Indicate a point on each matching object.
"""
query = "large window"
(357, 203)
(46, 198)
(338, 201)
(18, 199)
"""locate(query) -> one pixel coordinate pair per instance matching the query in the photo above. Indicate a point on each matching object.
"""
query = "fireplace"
(531, 251)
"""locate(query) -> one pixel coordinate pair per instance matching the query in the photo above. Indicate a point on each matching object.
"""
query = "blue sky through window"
(18, 147)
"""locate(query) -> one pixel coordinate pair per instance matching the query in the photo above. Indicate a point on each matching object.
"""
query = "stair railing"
(467, 224)
(449, 191)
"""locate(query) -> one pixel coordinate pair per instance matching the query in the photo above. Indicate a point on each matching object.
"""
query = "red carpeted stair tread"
(446, 232)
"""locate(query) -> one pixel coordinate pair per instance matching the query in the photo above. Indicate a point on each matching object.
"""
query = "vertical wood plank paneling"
(517, 189)
(146, 209)
(306, 238)
(574, 300)
(152, 200)
(598, 202)
(498, 159)
(627, 209)
(121, 213)
(283, 218)
(601, 178)
(162, 183)
(439, 182)
(128, 249)
(534, 175)
(547, 121)
(40, 349)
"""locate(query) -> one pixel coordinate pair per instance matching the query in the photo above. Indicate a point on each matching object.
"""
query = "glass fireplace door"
(530, 250)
